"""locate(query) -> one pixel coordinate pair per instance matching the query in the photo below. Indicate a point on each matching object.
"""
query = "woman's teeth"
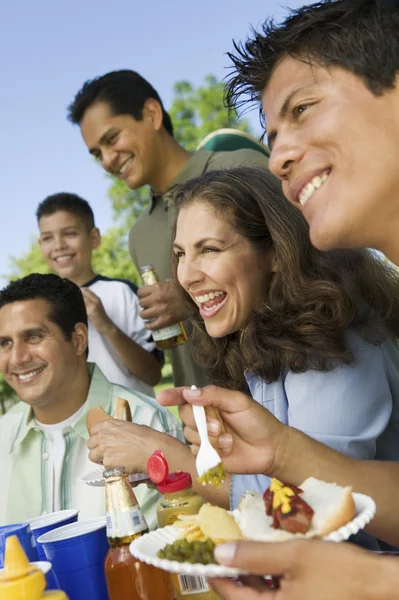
(207, 297)
(309, 188)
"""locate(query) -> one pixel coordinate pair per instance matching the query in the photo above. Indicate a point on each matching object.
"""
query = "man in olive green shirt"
(125, 126)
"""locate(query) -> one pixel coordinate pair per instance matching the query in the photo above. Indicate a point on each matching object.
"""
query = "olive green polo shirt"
(150, 239)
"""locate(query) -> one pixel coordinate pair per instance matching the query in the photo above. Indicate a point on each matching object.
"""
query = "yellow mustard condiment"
(282, 496)
(21, 580)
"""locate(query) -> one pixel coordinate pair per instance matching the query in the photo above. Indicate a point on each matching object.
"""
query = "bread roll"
(97, 414)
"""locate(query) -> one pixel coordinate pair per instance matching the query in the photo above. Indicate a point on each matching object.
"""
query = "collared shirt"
(150, 238)
(26, 467)
(353, 409)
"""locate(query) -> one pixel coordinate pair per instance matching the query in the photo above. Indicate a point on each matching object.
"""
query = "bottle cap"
(19, 580)
(158, 472)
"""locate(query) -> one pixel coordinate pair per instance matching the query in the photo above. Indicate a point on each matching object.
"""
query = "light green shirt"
(26, 467)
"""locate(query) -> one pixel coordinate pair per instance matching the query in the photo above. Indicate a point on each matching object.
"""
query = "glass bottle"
(167, 337)
(127, 577)
(178, 498)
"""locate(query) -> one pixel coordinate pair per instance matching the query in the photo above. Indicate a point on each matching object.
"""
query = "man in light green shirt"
(43, 349)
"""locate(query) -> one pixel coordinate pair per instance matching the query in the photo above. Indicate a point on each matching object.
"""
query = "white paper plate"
(95, 477)
(146, 548)
(365, 511)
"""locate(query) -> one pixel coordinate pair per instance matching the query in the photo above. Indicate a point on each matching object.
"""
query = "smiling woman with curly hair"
(310, 334)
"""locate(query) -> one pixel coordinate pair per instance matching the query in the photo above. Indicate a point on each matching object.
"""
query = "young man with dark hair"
(43, 346)
(125, 126)
(119, 343)
(327, 80)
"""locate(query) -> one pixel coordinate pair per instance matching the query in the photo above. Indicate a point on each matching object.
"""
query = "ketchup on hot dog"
(289, 511)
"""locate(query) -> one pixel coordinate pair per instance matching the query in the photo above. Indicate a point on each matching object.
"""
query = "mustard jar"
(178, 498)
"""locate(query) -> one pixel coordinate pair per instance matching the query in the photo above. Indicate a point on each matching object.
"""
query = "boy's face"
(67, 245)
(125, 147)
(335, 147)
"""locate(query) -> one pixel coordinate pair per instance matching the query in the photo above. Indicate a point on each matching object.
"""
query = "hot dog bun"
(97, 414)
(333, 507)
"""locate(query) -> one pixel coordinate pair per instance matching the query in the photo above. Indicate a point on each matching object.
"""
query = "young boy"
(119, 343)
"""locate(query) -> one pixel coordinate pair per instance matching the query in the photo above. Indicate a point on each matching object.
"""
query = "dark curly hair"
(67, 307)
(124, 91)
(361, 36)
(313, 299)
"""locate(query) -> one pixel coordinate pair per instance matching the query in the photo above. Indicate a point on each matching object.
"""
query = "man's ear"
(95, 237)
(80, 337)
(152, 111)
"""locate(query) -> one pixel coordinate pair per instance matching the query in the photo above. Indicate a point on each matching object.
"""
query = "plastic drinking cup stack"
(45, 523)
(77, 553)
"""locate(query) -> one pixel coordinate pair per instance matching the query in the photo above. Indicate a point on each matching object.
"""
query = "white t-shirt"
(121, 304)
(55, 456)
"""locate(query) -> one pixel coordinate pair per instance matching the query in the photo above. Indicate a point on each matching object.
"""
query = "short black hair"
(361, 36)
(67, 307)
(71, 203)
(124, 91)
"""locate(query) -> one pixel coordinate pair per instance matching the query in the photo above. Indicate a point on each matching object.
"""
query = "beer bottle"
(127, 577)
(167, 337)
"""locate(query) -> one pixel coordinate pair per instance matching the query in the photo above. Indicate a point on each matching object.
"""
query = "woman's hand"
(253, 437)
(116, 443)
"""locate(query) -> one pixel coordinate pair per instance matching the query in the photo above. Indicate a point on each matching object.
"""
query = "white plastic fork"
(207, 457)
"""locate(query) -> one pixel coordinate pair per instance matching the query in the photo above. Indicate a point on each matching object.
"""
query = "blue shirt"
(353, 409)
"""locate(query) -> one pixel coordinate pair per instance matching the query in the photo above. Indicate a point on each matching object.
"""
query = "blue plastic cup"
(45, 523)
(77, 553)
(25, 536)
(47, 569)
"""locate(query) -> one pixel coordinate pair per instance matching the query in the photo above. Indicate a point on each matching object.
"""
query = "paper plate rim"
(365, 509)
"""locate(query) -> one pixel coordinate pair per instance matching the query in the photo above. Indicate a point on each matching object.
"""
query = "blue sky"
(48, 49)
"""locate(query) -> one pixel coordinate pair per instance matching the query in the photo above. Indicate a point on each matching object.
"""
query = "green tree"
(195, 112)
(7, 395)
